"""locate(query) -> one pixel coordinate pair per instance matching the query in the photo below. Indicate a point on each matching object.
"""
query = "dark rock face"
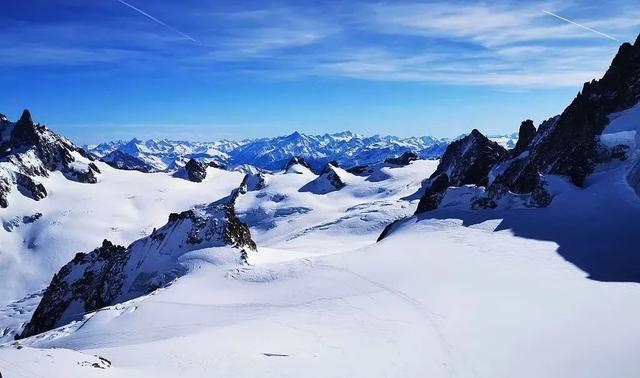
(4, 191)
(252, 182)
(214, 164)
(99, 285)
(570, 147)
(296, 160)
(360, 170)
(403, 159)
(468, 160)
(30, 188)
(85, 175)
(120, 160)
(112, 274)
(433, 193)
(563, 145)
(195, 170)
(525, 137)
(328, 181)
(33, 150)
(52, 150)
(329, 171)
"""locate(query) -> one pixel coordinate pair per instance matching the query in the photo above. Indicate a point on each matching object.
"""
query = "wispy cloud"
(507, 44)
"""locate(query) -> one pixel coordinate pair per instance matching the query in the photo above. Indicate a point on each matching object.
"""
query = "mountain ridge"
(346, 148)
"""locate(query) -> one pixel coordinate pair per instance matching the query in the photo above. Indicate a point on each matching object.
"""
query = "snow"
(455, 292)
(122, 207)
(623, 128)
(626, 120)
(348, 148)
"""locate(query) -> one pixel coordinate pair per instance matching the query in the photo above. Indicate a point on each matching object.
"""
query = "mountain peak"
(25, 118)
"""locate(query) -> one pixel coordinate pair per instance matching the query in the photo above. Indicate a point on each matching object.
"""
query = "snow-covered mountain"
(346, 149)
(161, 154)
(489, 262)
(30, 152)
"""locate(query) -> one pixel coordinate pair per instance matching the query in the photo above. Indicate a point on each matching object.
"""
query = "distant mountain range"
(346, 148)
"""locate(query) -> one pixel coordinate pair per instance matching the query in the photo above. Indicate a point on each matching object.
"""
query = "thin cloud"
(580, 25)
(183, 34)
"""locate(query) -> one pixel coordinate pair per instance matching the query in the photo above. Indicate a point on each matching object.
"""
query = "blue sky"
(98, 70)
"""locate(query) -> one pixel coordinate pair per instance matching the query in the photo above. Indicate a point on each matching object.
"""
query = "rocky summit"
(112, 274)
(30, 151)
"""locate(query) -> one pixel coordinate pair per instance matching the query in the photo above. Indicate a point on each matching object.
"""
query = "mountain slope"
(592, 144)
(345, 148)
(29, 152)
(112, 274)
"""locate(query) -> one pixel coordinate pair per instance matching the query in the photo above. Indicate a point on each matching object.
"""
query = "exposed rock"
(29, 188)
(525, 137)
(5, 188)
(433, 193)
(195, 170)
(112, 274)
(403, 159)
(81, 173)
(563, 145)
(569, 147)
(214, 164)
(328, 181)
(27, 219)
(296, 160)
(33, 150)
(94, 167)
(619, 152)
(252, 182)
(387, 229)
(120, 160)
(360, 170)
(468, 160)
(100, 281)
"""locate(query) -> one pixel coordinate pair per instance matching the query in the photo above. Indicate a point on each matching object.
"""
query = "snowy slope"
(122, 207)
(513, 263)
(453, 295)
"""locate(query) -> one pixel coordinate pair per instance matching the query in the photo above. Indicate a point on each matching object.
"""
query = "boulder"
(195, 170)
(403, 159)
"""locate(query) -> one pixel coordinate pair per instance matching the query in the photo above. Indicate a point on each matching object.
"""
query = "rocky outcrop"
(525, 137)
(403, 159)
(360, 170)
(296, 160)
(468, 160)
(112, 274)
(30, 188)
(100, 282)
(563, 145)
(328, 181)
(32, 150)
(195, 170)
(120, 160)
(252, 182)
(433, 193)
(5, 188)
(215, 164)
(569, 146)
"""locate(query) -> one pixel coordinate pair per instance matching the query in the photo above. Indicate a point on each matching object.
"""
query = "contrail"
(185, 35)
(582, 26)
